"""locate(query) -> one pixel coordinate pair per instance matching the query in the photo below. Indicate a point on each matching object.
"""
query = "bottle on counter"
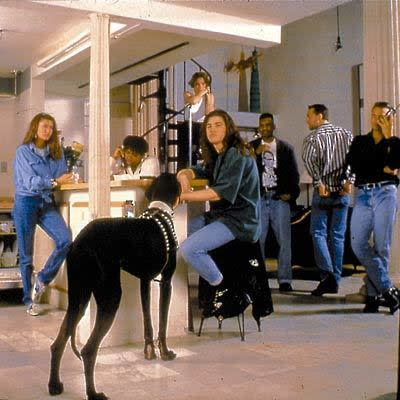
(128, 209)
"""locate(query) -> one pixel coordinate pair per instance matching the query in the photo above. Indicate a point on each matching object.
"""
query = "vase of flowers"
(72, 154)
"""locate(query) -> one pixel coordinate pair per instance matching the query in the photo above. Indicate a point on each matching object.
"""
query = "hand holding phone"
(385, 123)
(118, 152)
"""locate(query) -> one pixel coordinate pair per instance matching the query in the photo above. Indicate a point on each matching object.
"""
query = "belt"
(368, 186)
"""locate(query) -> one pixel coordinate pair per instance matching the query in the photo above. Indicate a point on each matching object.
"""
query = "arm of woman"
(210, 102)
(230, 176)
(191, 98)
(200, 195)
(184, 177)
(25, 173)
(61, 175)
(29, 179)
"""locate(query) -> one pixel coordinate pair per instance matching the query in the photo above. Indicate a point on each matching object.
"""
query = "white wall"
(7, 148)
(305, 69)
(69, 113)
(224, 84)
(15, 115)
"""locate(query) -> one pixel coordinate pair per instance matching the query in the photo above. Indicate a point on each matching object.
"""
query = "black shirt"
(367, 159)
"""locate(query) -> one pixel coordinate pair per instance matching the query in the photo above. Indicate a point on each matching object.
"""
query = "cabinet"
(10, 276)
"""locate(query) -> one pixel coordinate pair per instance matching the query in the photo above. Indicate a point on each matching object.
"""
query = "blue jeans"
(27, 213)
(277, 212)
(202, 239)
(374, 214)
(329, 213)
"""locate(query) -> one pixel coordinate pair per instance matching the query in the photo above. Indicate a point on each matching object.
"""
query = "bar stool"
(245, 282)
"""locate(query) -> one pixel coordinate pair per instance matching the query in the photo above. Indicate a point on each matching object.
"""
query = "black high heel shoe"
(391, 297)
(372, 304)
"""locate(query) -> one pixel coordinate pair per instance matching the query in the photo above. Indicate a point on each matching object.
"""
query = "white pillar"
(382, 77)
(99, 117)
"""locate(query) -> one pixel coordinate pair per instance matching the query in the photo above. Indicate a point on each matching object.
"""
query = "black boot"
(230, 302)
(391, 297)
(208, 305)
(327, 285)
(372, 304)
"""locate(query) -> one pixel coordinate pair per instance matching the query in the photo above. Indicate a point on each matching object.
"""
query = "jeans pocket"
(341, 201)
(324, 203)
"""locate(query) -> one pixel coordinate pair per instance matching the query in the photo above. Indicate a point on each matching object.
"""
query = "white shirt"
(197, 112)
(149, 166)
(270, 163)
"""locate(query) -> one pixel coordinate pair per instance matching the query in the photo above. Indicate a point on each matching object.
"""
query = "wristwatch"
(54, 183)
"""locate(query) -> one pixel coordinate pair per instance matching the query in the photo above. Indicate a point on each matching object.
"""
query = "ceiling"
(280, 12)
(31, 30)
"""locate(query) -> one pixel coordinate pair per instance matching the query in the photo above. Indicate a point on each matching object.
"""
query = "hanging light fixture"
(338, 43)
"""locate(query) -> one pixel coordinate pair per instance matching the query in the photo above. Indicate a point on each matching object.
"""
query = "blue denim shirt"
(34, 171)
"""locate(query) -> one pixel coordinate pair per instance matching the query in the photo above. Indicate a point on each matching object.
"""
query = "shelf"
(10, 278)
(7, 234)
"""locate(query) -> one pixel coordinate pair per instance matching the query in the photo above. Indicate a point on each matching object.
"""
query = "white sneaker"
(37, 291)
(34, 310)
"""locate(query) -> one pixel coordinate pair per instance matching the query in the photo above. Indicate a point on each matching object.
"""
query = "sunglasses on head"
(392, 111)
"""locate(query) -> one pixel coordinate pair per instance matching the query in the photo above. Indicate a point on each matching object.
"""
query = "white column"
(99, 117)
(382, 77)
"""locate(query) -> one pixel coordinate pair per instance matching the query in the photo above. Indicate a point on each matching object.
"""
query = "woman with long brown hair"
(39, 167)
(233, 193)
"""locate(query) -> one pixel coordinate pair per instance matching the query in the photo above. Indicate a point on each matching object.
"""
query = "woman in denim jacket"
(39, 167)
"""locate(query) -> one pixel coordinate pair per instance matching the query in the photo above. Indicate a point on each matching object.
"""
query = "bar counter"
(128, 325)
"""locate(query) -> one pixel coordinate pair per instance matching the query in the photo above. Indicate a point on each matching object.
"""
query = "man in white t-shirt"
(132, 160)
(279, 184)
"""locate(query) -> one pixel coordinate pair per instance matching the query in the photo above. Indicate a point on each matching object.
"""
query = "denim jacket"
(33, 171)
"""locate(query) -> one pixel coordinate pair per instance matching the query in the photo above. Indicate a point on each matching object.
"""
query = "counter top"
(6, 206)
(131, 183)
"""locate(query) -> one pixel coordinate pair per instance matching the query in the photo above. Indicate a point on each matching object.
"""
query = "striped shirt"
(324, 155)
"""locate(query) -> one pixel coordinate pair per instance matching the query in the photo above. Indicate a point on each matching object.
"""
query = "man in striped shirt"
(324, 156)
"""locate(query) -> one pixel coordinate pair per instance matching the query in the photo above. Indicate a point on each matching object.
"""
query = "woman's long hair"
(231, 139)
(53, 143)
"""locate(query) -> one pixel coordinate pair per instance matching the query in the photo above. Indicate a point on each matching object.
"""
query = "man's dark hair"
(266, 115)
(320, 109)
(136, 144)
(382, 104)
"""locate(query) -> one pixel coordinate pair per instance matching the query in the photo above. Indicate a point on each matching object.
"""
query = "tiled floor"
(310, 348)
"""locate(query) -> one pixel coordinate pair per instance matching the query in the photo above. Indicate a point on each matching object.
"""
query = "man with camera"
(374, 158)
